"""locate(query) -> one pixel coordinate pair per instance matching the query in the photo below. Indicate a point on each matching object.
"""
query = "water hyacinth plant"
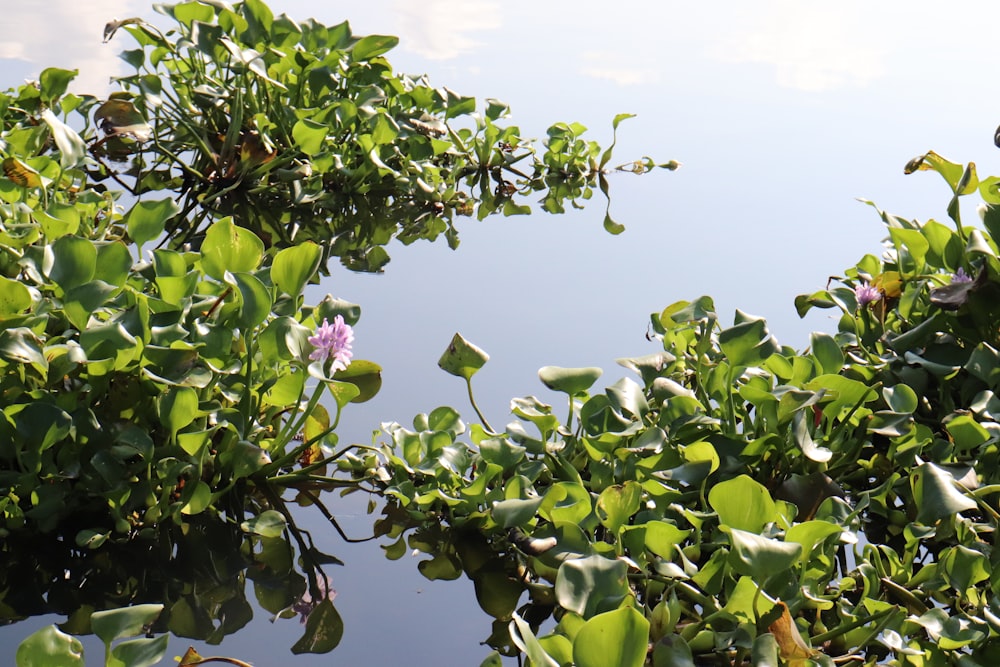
(736, 501)
(161, 373)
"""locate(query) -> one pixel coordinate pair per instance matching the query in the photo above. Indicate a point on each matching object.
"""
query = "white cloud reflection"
(67, 34)
(440, 29)
(614, 67)
(811, 46)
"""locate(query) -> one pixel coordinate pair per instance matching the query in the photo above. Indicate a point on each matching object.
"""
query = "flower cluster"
(960, 276)
(333, 341)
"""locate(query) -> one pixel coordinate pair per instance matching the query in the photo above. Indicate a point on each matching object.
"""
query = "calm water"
(782, 115)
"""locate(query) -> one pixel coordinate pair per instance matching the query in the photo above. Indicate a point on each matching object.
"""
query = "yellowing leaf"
(791, 646)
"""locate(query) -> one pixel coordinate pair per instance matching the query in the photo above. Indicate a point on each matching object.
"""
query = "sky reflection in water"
(782, 113)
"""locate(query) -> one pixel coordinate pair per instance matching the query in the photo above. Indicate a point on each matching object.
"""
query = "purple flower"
(960, 276)
(866, 294)
(333, 340)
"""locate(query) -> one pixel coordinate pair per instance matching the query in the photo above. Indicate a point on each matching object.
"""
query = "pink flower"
(960, 276)
(866, 294)
(333, 341)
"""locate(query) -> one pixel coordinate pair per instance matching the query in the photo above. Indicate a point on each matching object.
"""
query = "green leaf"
(368, 47)
(269, 523)
(524, 639)
(74, 262)
(324, 630)
(71, 147)
(761, 557)
(20, 346)
(144, 652)
(230, 248)
(462, 358)
(618, 637)
(569, 380)
(178, 407)
(58, 220)
(673, 651)
(935, 495)
(124, 622)
(15, 298)
(617, 504)
(49, 647)
(743, 503)
(365, 375)
(294, 267)
(113, 263)
(309, 136)
(496, 591)
(147, 219)
(255, 298)
(585, 585)
(827, 352)
(748, 342)
(53, 82)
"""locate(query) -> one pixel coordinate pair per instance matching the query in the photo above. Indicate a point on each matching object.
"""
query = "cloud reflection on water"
(67, 34)
(440, 29)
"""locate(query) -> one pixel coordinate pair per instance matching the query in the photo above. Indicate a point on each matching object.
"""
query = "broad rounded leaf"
(293, 267)
(74, 262)
(148, 218)
(228, 247)
(14, 297)
(618, 638)
(569, 380)
(269, 523)
(586, 584)
(462, 358)
(124, 622)
(742, 503)
(50, 647)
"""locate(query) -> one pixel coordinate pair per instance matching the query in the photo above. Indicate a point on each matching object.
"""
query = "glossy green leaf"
(586, 585)
(49, 647)
(747, 342)
(269, 523)
(74, 262)
(524, 639)
(58, 220)
(71, 147)
(569, 380)
(255, 299)
(462, 358)
(616, 504)
(672, 651)
(113, 263)
(124, 622)
(147, 219)
(178, 407)
(368, 47)
(618, 637)
(935, 494)
(144, 652)
(363, 374)
(827, 352)
(15, 298)
(309, 136)
(293, 267)
(230, 248)
(761, 557)
(742, 503)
